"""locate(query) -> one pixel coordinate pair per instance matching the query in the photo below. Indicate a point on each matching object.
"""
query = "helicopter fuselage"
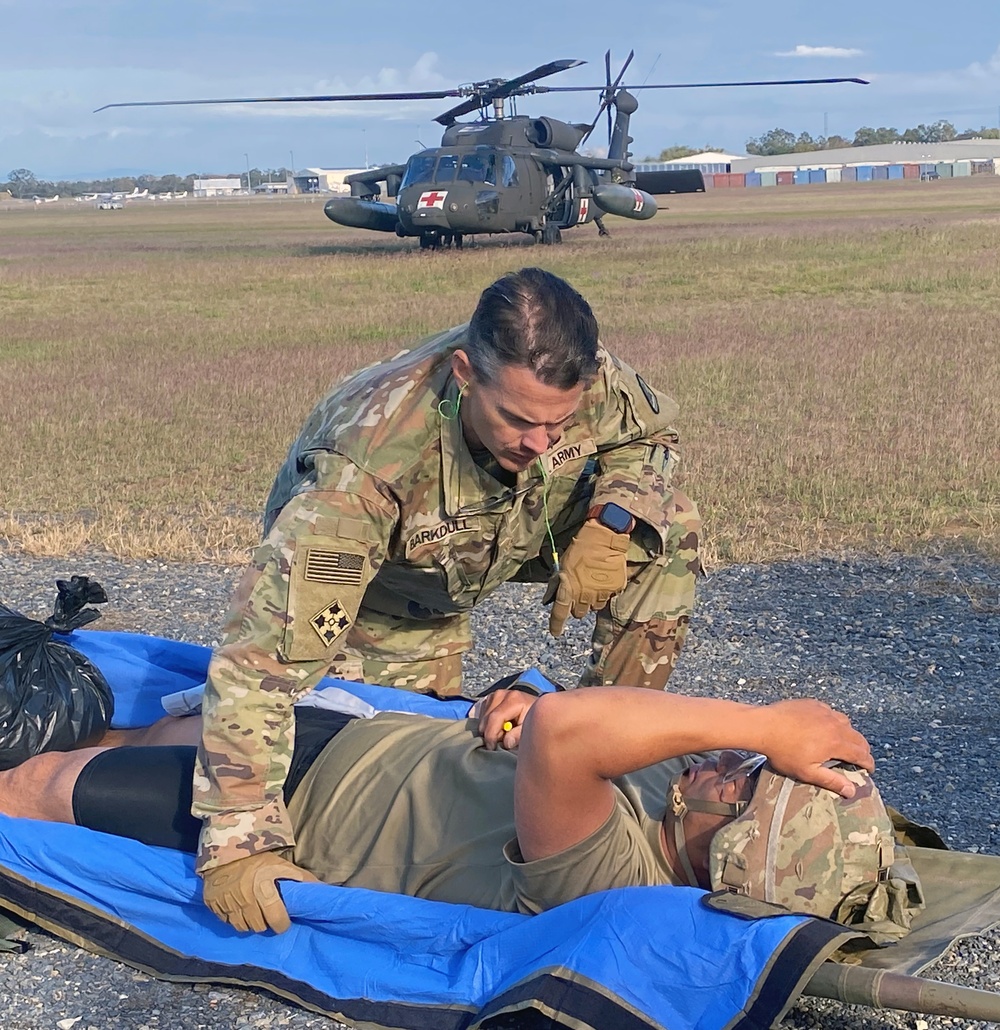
(512, 175)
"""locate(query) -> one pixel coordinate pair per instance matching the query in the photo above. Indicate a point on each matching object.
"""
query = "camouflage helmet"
(816, 853)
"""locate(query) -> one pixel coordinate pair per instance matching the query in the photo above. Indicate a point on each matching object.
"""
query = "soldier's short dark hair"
(533, 319)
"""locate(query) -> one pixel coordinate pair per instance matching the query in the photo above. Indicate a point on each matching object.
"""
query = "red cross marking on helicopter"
(432, 199)
(584, 210)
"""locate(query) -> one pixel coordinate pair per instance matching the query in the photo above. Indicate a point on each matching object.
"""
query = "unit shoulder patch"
(331, 622)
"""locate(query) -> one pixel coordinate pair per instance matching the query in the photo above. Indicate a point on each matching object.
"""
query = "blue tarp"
(641, 957)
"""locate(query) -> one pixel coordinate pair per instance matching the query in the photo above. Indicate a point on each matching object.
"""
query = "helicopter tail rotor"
(607, 79)
(608, 94)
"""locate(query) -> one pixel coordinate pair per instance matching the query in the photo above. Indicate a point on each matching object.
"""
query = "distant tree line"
(24, 184)
(781, 141)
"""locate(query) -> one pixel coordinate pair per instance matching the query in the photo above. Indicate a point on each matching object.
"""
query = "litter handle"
(879, 988)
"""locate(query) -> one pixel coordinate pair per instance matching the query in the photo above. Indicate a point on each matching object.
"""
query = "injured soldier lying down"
(526, 808)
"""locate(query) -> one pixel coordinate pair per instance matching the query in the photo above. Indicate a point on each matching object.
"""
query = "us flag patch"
(330, 622)
(323, 566)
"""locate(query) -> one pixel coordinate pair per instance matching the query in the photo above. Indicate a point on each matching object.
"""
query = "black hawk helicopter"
(507, 174)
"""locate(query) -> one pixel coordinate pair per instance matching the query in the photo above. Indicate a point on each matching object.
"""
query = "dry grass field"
(834, 350)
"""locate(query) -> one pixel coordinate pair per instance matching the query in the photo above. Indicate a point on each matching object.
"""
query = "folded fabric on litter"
(635, 958)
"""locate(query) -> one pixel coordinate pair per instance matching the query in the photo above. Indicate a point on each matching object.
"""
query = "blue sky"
(60, 59)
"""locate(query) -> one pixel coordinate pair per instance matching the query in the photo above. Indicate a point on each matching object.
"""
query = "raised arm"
(574, 743)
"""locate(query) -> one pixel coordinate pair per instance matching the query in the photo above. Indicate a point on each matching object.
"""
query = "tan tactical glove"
(245, 894)
(591, 572)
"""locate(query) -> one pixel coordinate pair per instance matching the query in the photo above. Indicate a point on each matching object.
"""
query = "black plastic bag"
(52, 698)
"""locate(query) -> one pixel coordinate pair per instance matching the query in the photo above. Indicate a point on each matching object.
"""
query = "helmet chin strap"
(680, 806)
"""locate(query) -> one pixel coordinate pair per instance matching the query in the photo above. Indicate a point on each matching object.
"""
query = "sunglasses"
(750, 764)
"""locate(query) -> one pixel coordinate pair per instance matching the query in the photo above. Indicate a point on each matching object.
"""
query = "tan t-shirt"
(415, 805)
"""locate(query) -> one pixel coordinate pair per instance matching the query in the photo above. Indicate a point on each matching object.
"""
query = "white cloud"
(820, 51)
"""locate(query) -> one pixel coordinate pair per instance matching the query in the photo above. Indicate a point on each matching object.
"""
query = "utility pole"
(246, 158)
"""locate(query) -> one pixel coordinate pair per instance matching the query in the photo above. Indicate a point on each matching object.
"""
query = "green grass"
(832, 348)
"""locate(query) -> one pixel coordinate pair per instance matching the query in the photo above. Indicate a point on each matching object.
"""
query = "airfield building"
(323, 180)
(223, 187)
(954, 159)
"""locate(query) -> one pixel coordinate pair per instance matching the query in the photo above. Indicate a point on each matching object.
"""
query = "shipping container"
(848, 174)
(785, 178)
(817, 175)
(880, 172)
(928, 171)
(963, 168)
(945, 169)
(982, 167)
(864, 173)
(737, 179)
(801, 176)
(709, 181)
(769, 178)
(911, 171)
(833, 174)
(722, 181)
(753, 178)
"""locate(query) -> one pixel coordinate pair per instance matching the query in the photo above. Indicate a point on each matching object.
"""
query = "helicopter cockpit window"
(419, 168)
(446, 168)
(509, 171)
(478, 168)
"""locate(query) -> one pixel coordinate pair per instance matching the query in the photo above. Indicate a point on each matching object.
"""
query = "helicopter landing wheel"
(430, 241)
(551, 234)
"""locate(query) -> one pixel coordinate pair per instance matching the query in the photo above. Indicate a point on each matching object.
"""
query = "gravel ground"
(908, 646)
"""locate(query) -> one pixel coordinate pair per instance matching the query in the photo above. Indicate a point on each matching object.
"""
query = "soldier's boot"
(640, 633)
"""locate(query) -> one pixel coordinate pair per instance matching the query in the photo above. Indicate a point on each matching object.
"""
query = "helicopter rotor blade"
(427, 95)
(704, 85)
(484, 92)
(607, 79)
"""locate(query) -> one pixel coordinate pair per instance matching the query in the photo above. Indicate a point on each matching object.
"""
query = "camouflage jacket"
(381, 509)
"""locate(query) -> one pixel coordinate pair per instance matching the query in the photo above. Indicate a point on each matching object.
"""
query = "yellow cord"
(545, 512)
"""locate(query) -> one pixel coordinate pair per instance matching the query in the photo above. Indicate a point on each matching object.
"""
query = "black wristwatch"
(614, 516)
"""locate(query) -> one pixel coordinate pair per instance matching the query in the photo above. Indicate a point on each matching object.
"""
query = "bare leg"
(185, 729)
(42, 787)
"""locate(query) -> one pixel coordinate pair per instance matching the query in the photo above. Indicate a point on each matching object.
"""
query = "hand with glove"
(591, 572)
(245, 894)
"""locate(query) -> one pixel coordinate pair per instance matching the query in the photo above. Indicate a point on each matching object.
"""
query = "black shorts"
(145, 792)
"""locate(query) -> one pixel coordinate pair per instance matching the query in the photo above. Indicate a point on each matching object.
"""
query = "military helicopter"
(507, 174)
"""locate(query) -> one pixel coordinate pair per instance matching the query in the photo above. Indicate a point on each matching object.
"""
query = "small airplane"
(45, 200)
(114, 200)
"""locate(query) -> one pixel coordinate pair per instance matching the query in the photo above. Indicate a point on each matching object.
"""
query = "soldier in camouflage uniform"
(512, 448)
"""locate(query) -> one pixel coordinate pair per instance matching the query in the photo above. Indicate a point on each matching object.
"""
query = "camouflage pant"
(636, 640)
